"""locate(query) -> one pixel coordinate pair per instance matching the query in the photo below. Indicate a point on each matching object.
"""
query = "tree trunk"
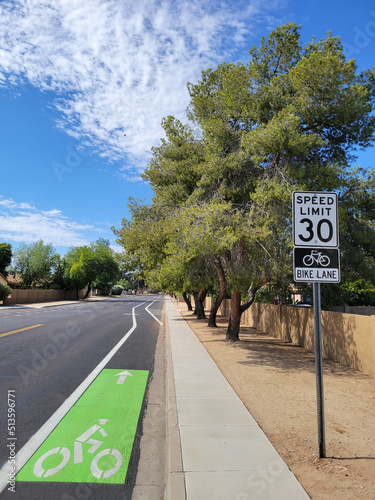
(235, 317)
(87, 291)
(236, 310)
(221, 294)
(202, 295)
(199, 304)
(187, 301)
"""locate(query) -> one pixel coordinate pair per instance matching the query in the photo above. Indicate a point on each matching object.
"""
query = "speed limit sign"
(315, 219)
(316, 260)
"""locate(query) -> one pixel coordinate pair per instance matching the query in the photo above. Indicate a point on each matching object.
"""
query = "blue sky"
(76, 75)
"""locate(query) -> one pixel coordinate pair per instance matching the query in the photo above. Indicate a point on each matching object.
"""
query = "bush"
(116, 290)
(5, 291)
(124, 284)
(360, 292)
(54, 286)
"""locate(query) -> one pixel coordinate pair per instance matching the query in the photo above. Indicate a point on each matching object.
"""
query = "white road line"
(41, 435)
(149, 312)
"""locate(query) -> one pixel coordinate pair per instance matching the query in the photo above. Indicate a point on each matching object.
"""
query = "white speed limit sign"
(315, 219)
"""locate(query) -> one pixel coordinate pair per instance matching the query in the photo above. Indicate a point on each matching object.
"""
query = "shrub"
(124, 284)
(54, 286)
(5, 291)
(116, 290)
(360, 292)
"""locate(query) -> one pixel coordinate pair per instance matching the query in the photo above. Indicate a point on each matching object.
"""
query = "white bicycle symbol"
(39, 471)
(317, 257)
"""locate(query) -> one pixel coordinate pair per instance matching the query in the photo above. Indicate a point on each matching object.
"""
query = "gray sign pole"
(319, 369)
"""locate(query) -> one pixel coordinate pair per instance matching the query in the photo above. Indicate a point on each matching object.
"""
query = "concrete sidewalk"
(216, 449)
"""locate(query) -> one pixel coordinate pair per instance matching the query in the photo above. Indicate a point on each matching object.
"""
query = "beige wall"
(347, 338)
(30, 296)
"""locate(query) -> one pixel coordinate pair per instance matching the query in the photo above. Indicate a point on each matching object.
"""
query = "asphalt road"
(43, 366)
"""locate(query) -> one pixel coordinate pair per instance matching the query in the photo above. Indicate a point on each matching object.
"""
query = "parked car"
(302, 304)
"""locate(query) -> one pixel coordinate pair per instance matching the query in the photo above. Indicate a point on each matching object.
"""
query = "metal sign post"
(316, 259)
(319, 369)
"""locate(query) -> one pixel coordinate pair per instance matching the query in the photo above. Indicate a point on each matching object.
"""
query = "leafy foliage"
(360, 292)
(5, 257)
(92, 266)
(292, 118)
(116, 290)
(124, 284)
(35, 263)
(5, 291)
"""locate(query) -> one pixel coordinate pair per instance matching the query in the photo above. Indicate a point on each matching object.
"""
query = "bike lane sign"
(321, 265)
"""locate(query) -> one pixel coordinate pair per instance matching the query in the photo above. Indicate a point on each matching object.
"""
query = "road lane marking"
(122, 376)
(41, 435)
(20, 330)
(149, 312)
(94, 441)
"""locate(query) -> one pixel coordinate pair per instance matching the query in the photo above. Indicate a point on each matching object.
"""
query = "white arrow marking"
(122, 376)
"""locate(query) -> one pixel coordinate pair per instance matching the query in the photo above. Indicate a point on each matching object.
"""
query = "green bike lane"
(102, 424)
(93, 451)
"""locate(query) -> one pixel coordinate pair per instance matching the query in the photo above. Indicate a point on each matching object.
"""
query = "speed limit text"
(306, 205)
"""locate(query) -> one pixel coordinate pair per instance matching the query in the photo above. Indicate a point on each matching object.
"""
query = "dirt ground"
(276, 381)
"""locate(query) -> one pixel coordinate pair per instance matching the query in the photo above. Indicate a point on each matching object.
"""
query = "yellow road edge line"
(20, 330)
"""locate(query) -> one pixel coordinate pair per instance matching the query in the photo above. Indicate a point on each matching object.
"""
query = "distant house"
(14, 279)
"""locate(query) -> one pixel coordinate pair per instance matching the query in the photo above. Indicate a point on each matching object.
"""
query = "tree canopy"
(88, 266)
(5, 257)
(35, 262)
(293, 118)
(92, 266)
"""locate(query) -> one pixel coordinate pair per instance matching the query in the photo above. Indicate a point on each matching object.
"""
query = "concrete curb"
(151, 469)
(175, 487)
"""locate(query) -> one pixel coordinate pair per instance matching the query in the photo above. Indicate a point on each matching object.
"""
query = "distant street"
(75, 377)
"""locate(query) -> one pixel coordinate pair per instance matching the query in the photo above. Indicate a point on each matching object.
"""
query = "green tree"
(92, 266)
(176, 165)
(35, 262)
(58, 279)
(292, 118)
(5, 291)
(125, 284)
(5, 257)
(105, 266)
(77, 276)
(175, 173)
(359, 293)
(144, 238)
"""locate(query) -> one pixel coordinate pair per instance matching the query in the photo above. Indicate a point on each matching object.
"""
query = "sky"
(84, 85)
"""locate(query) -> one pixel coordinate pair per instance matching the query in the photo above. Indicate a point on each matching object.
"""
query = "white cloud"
(119, 66)
(51, 226)
(117, 248)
